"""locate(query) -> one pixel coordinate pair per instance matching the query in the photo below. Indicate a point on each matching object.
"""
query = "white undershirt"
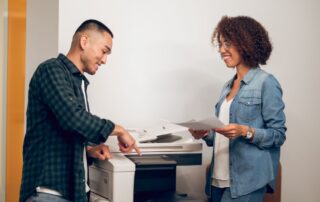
(220, 177)
(85, 164)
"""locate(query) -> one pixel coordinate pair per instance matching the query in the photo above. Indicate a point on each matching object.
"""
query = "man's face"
(96, 48)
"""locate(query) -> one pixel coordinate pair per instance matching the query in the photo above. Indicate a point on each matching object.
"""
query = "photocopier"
(150, 177)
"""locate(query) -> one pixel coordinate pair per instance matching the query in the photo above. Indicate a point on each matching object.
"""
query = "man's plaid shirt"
(58, 128)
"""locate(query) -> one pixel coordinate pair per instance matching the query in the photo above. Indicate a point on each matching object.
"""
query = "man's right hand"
(126, 142)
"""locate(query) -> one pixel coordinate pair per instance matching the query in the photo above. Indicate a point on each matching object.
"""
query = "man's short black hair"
(92, 24)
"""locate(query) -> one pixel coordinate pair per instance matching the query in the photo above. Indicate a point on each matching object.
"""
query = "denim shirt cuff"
(258, 136)
(209, 138)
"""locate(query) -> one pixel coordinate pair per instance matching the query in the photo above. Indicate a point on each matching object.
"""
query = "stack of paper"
(203, 124)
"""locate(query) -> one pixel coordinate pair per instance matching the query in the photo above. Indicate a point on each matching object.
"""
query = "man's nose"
(104, 59)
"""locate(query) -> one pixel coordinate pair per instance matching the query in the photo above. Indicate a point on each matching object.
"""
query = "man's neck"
(75, 59)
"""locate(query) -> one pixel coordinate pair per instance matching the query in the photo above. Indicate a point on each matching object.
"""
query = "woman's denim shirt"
(258, 104)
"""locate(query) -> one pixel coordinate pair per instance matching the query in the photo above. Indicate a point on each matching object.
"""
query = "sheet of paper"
(152, 133)
(203, 124)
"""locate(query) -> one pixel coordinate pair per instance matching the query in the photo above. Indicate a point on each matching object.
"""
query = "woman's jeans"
(224, 195)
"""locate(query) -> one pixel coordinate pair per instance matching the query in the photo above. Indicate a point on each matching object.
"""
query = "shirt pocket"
(249, 107)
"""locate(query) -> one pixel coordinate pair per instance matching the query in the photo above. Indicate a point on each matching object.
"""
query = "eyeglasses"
(226, 45)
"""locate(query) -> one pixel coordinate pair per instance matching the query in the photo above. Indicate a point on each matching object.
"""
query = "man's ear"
(83, 41)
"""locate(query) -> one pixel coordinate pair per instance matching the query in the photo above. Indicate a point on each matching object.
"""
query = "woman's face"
(229, 53)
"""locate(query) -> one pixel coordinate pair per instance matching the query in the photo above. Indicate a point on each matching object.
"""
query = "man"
(60, 125)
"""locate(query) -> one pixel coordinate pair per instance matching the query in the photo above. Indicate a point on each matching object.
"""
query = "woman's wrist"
(249, 133)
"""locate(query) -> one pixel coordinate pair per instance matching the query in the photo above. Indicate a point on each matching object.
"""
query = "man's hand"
(100, 151)
(126, 142)
(197, 134)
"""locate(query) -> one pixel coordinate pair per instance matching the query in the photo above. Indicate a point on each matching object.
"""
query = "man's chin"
(92, 72)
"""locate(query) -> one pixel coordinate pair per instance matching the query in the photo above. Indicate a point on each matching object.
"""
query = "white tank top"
(220, 177)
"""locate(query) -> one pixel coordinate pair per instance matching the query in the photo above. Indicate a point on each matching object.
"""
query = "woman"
(247, 150)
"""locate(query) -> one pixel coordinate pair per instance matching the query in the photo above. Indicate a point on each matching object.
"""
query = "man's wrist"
(117, 131)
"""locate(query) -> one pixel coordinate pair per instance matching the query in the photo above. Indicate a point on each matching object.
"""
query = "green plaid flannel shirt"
(58, 129)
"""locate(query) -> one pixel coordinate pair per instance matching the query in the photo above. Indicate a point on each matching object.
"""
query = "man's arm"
(57, 91)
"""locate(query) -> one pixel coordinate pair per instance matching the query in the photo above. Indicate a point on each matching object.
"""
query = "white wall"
(163, 66)
(42, 34)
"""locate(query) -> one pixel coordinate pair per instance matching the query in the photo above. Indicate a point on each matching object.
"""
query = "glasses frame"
(226, 45)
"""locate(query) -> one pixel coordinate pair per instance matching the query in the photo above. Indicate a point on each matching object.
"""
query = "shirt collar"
(247, 78)
(72, 67)
(250, 75)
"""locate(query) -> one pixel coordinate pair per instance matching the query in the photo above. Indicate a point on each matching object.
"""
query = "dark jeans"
(44, 197)
(224, 195)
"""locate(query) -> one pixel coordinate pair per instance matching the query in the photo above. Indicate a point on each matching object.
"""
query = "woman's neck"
(242, 70)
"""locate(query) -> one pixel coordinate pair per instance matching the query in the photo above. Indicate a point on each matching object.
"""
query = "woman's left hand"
(232, 130)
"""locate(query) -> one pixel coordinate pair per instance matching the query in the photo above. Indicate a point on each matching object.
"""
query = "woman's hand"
(197, 134)
(232, 130)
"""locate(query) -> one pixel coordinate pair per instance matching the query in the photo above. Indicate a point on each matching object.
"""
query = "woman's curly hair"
(248, 36)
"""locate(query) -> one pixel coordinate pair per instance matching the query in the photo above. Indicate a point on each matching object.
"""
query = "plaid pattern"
(58, 128)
